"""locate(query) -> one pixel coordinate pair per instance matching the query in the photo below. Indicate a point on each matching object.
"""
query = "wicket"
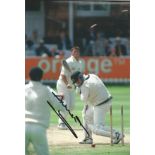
(111, 125)
(122, 125)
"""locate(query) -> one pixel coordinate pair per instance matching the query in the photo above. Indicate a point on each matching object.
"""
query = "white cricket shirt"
(93, 90)
(36, 108)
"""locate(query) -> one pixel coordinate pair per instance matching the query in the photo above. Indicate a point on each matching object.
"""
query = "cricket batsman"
(97, 101)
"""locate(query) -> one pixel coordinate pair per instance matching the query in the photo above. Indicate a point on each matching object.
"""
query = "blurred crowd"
(91, 43)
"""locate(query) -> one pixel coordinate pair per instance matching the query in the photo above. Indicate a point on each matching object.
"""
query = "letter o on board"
(44, 65)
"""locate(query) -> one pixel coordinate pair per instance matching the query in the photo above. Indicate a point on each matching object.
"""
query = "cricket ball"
(93, 27)
(93, 145)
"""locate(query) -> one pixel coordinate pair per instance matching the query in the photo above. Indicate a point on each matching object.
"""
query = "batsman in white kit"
(64, 83)
(97, 101)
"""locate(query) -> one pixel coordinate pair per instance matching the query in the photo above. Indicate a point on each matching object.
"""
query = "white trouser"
(36, 134)
(69, 98)
(94, 120)
(87, 114)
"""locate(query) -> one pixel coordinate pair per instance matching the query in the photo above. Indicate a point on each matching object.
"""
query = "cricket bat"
(66, 66)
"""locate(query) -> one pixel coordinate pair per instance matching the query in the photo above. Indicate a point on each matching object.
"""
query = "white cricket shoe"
(62, 126)
(86, 141)
(118, 138)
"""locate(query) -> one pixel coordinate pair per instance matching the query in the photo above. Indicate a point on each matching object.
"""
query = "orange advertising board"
(104, 67)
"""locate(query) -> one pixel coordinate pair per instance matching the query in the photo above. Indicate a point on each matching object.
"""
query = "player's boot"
(87, 140)
(118, 138)
(62, 126)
